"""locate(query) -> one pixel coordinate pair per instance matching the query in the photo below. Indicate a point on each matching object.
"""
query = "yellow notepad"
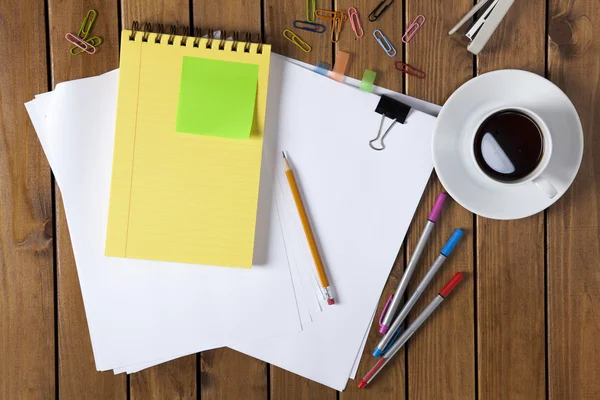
(188, 147)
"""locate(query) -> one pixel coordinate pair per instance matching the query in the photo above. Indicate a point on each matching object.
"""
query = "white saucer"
(459, 118)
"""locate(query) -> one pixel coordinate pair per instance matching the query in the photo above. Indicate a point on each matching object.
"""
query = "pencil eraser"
(451, 284)
(437, 207)
(330, 302)
(377, 352)
(383, 329)
(451, 243)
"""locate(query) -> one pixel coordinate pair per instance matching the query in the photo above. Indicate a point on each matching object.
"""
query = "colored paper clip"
(86, 25)
(377, 11)
(409, 70)
(311, 7)
(326, 14)
(355, 22)
(82, 44)
(297, 40)
(384, 42)
(336, 28)
(94, 41)
(385, 309)
(413, 28)
(309, 26)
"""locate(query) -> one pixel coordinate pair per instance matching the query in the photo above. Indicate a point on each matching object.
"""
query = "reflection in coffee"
(508, 145)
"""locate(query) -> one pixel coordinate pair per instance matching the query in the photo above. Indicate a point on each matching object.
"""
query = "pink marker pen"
(389, 312)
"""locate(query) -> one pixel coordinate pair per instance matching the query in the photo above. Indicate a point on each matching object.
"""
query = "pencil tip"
(283, 152)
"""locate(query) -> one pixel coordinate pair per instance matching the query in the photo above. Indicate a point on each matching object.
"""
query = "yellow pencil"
(312, 243)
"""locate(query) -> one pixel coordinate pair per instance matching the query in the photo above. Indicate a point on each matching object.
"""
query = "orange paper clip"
(82, 44)
(336, 28)
(355, 22)
(331, 15)
(409, 70)
(413, 28)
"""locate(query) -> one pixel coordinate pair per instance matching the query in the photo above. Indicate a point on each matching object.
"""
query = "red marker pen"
(391, 352)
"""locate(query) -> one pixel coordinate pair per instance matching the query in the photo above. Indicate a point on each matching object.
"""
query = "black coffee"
(508, 145)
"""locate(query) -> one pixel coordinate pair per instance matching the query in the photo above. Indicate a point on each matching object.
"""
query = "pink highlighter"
(390, 309)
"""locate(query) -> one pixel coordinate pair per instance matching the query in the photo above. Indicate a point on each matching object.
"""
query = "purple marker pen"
(390, 311)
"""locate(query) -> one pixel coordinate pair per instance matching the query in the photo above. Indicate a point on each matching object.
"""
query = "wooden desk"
(524, 325)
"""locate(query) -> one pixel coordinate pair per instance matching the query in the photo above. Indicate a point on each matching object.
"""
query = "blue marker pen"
(445, 253)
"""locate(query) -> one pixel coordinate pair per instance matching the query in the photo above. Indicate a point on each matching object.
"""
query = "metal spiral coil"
(196, 35)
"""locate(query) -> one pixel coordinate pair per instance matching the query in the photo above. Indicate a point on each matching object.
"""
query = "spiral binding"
(197, 35)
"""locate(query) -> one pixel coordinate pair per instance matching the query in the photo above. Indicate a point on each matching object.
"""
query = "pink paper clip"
(355, 22)
(383, 313)
(413, 28)
(82, 44)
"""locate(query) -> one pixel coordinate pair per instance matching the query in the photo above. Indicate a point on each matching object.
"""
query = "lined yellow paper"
(176, 196)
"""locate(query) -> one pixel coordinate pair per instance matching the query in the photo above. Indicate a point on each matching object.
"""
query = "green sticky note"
(367, 81)
(216, 98)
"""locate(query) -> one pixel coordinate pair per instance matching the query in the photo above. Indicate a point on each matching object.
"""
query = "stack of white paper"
(361, 202)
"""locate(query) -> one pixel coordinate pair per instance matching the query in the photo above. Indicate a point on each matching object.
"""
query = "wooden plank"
(26, 267)
(366, 52)
(574, 222)
(225, 373)
(510, 254)
(285, 385)
(78, 377)
(441, 355)
(177, 378)
(391, 382)
(278, 16)
(172, 380)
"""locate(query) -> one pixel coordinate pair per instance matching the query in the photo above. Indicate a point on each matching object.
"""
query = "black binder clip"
(392, 109)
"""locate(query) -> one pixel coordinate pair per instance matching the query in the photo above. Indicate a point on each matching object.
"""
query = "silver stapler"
(484, 27)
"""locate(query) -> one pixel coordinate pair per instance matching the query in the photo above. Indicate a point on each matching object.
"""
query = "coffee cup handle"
(546, 186)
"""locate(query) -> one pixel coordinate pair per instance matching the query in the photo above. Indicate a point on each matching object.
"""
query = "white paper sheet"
(136, 308)
(420, 105)
(382, 213)
(361, 203)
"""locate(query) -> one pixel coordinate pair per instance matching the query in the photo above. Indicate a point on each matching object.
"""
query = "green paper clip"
(94, 41)
(368, 79)
(86, 25)
(311, 7)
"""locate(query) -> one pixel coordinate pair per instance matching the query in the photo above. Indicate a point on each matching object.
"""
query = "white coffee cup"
(537, 176)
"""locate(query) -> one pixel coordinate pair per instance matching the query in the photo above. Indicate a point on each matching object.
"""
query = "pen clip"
(384, 310)
(392, 340)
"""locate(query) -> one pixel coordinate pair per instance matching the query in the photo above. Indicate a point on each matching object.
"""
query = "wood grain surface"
(524, 324)
(27, 301)
(573, 226)
(511, 347)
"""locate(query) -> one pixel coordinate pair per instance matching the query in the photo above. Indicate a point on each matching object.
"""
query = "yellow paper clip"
(86, 25)
(297, 40)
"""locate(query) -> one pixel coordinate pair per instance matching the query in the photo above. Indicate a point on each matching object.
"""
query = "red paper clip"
(413, 28)
(409, 70)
